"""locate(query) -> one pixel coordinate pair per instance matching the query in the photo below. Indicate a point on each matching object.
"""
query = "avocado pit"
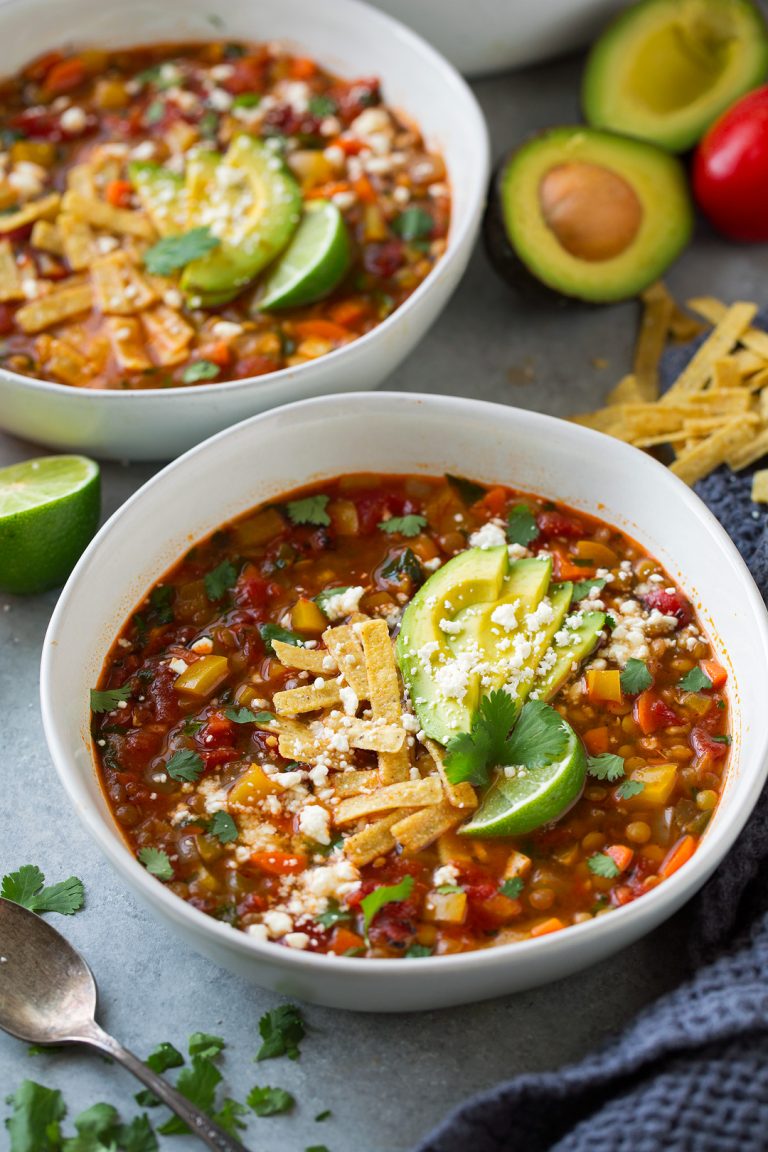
(594, 213)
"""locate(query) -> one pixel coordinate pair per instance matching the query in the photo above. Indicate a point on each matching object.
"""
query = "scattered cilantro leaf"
(540, 737)
(322, 106)
(582, 588)
(270, 632)
(405, 563)
(185, 765)
(219, 579)
(200, 370)
(247, 100)
(223, 827)
(25, 887)
(317, 1148)
(157, 863)
(413, 224)
(471, 755)
(326, 1111)
(268, 1101)
(610, 622)
(521, 526)
(469, 491)
(155, 112)
(228, 1116)
(606, 766)
(198, 1082)
(137, 1136)
(334, 914)
(310, 510)
(161, 604)
(512, 888)
(33, 1125)
(603, 865)
(107, 700)
(721, 739)
(409, 525)
(173, 252)
(247, 716)
(163, 1057)
(205, 1045)
(387, 894)
(323, 597)
(281, 1030)
(629, 788)
(448, 889)
(695, 681)
(635, 677)
(418, 951)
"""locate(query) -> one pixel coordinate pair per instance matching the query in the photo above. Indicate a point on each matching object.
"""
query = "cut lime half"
(515, 805)
(49, 510)
(313, 263)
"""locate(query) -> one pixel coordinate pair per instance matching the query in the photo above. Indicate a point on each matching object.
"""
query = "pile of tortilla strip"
(357, 702)
(716, 411)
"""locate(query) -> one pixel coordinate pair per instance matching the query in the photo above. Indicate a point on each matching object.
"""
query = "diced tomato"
(38, 68)
(652, 713)
(552, 524)
(64, 76)
(255, 366)
(372, 507)
(248, 75)
(322, 330)
(669, 604)
(622, 894)
(494, 911)
(217, 733)
(38, 124)
(277, 863)
(353, 97)
(384, 259)
(705, 744)
(139, 746)
(6, 320)
(349, 313)
(218, 353)
(302, 68)
(344, 940)
(215, 757)
(118, 193)
(285, 119)
(161, 695)
(253, 591)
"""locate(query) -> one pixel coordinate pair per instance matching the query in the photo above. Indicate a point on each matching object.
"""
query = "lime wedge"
(313, 263)
(49, 510)
(515, 805)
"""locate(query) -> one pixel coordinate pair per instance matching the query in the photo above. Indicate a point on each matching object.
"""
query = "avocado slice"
(665, 70)
(160, 194)
(547, 682)
(589, 214)
(525, 585)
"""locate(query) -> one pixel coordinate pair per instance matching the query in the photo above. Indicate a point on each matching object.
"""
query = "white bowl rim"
(717, 841)
(454, 82)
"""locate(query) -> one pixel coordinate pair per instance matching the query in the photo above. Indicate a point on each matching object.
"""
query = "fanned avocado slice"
(523, 589)
(161, 195)
(585, 636)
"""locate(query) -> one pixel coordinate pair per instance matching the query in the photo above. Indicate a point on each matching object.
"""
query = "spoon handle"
(199, 1124)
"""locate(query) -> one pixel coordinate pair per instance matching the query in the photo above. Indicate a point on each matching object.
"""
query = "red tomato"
(730, 170)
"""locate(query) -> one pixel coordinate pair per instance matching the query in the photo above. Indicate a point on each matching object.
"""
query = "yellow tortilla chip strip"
(698, 462)
(706, 425)
(458, 795)
(118, 286)
(726, 374)
(748, 452)
(627, 391)
(714, 311)
(62, 360)
(409, 794)
(758, 380)
(654, 327)
(760, 486)
(347, 650)
(368, 735)
(422, 828)
(372, 841)
(10, 276)
(127, 339)
(720, 341)
(46, 238)
(78, 241)
(43, 209)
(56, 306)
(385, 694)
(679, 437)
(99, 214)
(747, 361)
(355, 782)
(168, 334)
(81, 178)
(307, 698)
(316, 660)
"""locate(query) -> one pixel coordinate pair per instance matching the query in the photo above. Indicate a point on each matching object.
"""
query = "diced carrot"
(38, 68)
(349, 313)
(651, 713)
(565, 570)
(344, 940)
(302, 68)
(621, 856)
(326, 191)
(218, 353)
(499, 908)
(118, 193)
(364, 190)
(677, 856)
(600, 555)
(278, 863)
(716, 673)
(65, 76)
(622, 894)
(554, 924)
(604, 685)
(349, 145)
(323, 329)
(596, 740)
(495, 501)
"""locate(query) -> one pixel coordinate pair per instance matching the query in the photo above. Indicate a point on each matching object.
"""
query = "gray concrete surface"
(386, 1079)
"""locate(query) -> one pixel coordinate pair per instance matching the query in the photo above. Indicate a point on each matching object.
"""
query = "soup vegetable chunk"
(185, 214)
(397, 716)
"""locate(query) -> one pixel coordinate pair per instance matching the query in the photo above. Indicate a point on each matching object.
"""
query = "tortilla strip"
(367, 735)
(720, 341)
(127, 339)
(345, 647)
(10, 277)
(747, 361)
(697, 462)
(307, 698)
(679, 437)
(168, 334)
(119, 287)
(45, 237)
(307, 659)
(43, 209)
(748, 453)
(654, 328)
(374, 840)
(758, 381)
(77, 241)
(81, 179)
(422, 828)
(354, 782)
(63, 360)
(706, 425)
(714, 311)
(385, 694)
(55, 307)
(99, 214)
(726, 374)
(409, 794)
(760, 487)
(458, 795)
(627, 391)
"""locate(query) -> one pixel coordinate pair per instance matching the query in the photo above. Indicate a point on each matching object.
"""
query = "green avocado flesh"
(465, 634)
(666, 69)
(246, 197)
(590, 214)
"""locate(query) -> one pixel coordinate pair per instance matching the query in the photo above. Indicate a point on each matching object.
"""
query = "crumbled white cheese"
(298, 940)
(506, 615)
(177, 665)
(451, 627)
(447, 874)
(73, 121)
(277, 923)
(315, 822)
(258, 931)
(344, 603)
(349, 700)
(226, 330)
(489, 536)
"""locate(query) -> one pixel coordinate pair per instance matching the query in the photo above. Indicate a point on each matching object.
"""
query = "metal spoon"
(48, 996)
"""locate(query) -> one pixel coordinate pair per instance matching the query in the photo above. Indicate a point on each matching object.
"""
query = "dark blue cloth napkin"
(690, 1074)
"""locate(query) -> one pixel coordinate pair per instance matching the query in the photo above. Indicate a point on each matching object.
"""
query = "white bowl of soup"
(324, 834)
(273, 204)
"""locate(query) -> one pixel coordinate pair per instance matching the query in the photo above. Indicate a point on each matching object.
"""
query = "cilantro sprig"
(200, 370)
(309, 510)
(539, 737)
(247, 716)
(174, 252)
(157, 863)
(386, 894)
(695, 681)
(512, 888)
(219, 580)
(606, 766)
(582, 588)
(410, 525)
(635, 677)
(521, 526)
(601, 864)
(282, 1031)
(266, 1101)
(404, 565)
(186, 766)
(107, 699)
(27, 887)
(270, 632)
(223, 827)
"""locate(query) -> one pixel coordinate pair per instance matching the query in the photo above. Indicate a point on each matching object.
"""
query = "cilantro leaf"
(606, 766)
(219, 579)
(387, 894)
(322, 106)
(200, 370)
(323, 597)
(309, 510)
(469, 490)
(326, 1111)
(173, 252)
(185, 765)
(629, 788)
(107, 700)
(695, 681)
(198, 1083)
(413, 224)
(610, 622)
(33, 1125)
(470, 756)
(223, 827)
(416, 952)
(521, 525)
(540, 737)
(270, 632)
(163, 1057)
(635, 678)
(404, 564)
(228, 1116)
(512, 887)
(137, 1136)
(157, 863)
(448, 889)
(582, 588)
(205, 1045)
(334, 914)
(721, 739)
(247, 716)
(281, 1030)
(409, 525)
(161, 604)
(603, 865)
(247, 100)
(25, 887)
(268, 1101)
(317, 1148)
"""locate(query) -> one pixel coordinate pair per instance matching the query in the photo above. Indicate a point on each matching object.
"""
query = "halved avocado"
(589, 214)
(666, 69)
